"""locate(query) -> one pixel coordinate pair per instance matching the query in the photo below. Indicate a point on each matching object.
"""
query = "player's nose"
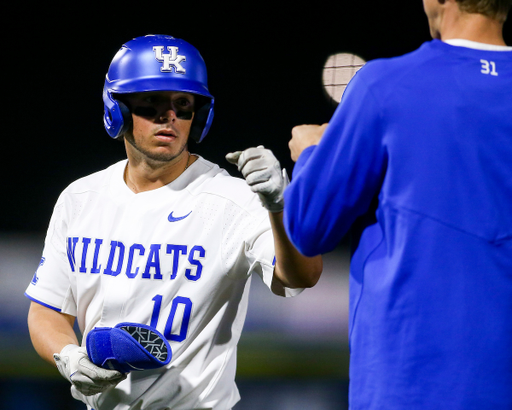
(167, 114)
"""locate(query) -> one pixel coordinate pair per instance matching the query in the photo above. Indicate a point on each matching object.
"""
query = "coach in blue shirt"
(417, 164)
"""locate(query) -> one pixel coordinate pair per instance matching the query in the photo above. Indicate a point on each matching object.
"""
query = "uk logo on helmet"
(173, 59)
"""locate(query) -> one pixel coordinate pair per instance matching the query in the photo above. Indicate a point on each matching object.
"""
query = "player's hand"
(263, 174)
(304, 136)
(74, 364)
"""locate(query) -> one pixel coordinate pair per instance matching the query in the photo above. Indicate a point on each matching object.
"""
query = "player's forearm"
(293, 269)
(50, 331)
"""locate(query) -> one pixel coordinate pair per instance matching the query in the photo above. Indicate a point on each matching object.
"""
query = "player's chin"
(163, 154)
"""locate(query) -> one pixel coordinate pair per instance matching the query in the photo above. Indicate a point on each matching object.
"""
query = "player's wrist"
(274, 205)
(62, 360)
(68, 348)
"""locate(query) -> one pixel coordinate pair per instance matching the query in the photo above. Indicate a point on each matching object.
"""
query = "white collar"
(459, 42)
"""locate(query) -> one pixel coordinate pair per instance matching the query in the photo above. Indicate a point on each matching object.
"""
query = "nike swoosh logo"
(172, 218)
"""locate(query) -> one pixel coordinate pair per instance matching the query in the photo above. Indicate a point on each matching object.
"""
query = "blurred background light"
(337, 73)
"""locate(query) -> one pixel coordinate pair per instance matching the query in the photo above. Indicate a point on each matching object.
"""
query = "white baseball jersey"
(178, 258)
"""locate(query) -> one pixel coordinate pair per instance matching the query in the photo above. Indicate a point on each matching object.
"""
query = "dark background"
(264, 64)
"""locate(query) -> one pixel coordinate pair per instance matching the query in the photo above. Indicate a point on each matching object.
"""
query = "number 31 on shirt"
(488, 67)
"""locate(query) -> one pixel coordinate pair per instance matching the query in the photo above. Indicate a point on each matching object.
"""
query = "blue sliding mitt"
(127, 347)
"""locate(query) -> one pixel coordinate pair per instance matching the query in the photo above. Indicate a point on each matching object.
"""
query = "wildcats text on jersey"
(85, 256)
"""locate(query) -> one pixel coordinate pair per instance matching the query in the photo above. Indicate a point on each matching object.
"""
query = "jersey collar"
(459, 42)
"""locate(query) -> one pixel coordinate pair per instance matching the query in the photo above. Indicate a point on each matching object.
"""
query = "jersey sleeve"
(335, 182)
(249, 243)
(51, 285)
(261, 254)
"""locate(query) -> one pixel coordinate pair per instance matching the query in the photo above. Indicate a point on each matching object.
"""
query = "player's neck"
(145, 175)
(471, 26)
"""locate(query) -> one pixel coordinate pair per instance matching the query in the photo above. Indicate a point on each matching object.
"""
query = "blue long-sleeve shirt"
(417, 164)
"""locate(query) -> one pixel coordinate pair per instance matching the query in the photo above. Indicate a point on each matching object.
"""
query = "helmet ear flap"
(202, 121)
(117, 116)
(127, 117)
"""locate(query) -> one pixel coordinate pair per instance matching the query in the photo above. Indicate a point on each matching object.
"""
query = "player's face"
(161, 123)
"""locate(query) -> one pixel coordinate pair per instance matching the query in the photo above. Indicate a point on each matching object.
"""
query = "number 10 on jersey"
(181, 308)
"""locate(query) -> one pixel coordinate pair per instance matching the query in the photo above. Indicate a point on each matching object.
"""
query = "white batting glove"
(75, 366)
(263, 174)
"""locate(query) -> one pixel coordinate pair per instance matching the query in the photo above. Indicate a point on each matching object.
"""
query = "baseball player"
(416, 163)
(165, 243)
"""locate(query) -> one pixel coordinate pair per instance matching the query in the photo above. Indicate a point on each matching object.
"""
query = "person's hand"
(75, 366)
(304, 136)
(263, 174)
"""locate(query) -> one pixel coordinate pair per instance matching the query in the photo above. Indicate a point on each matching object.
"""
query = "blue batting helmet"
(156, 63)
